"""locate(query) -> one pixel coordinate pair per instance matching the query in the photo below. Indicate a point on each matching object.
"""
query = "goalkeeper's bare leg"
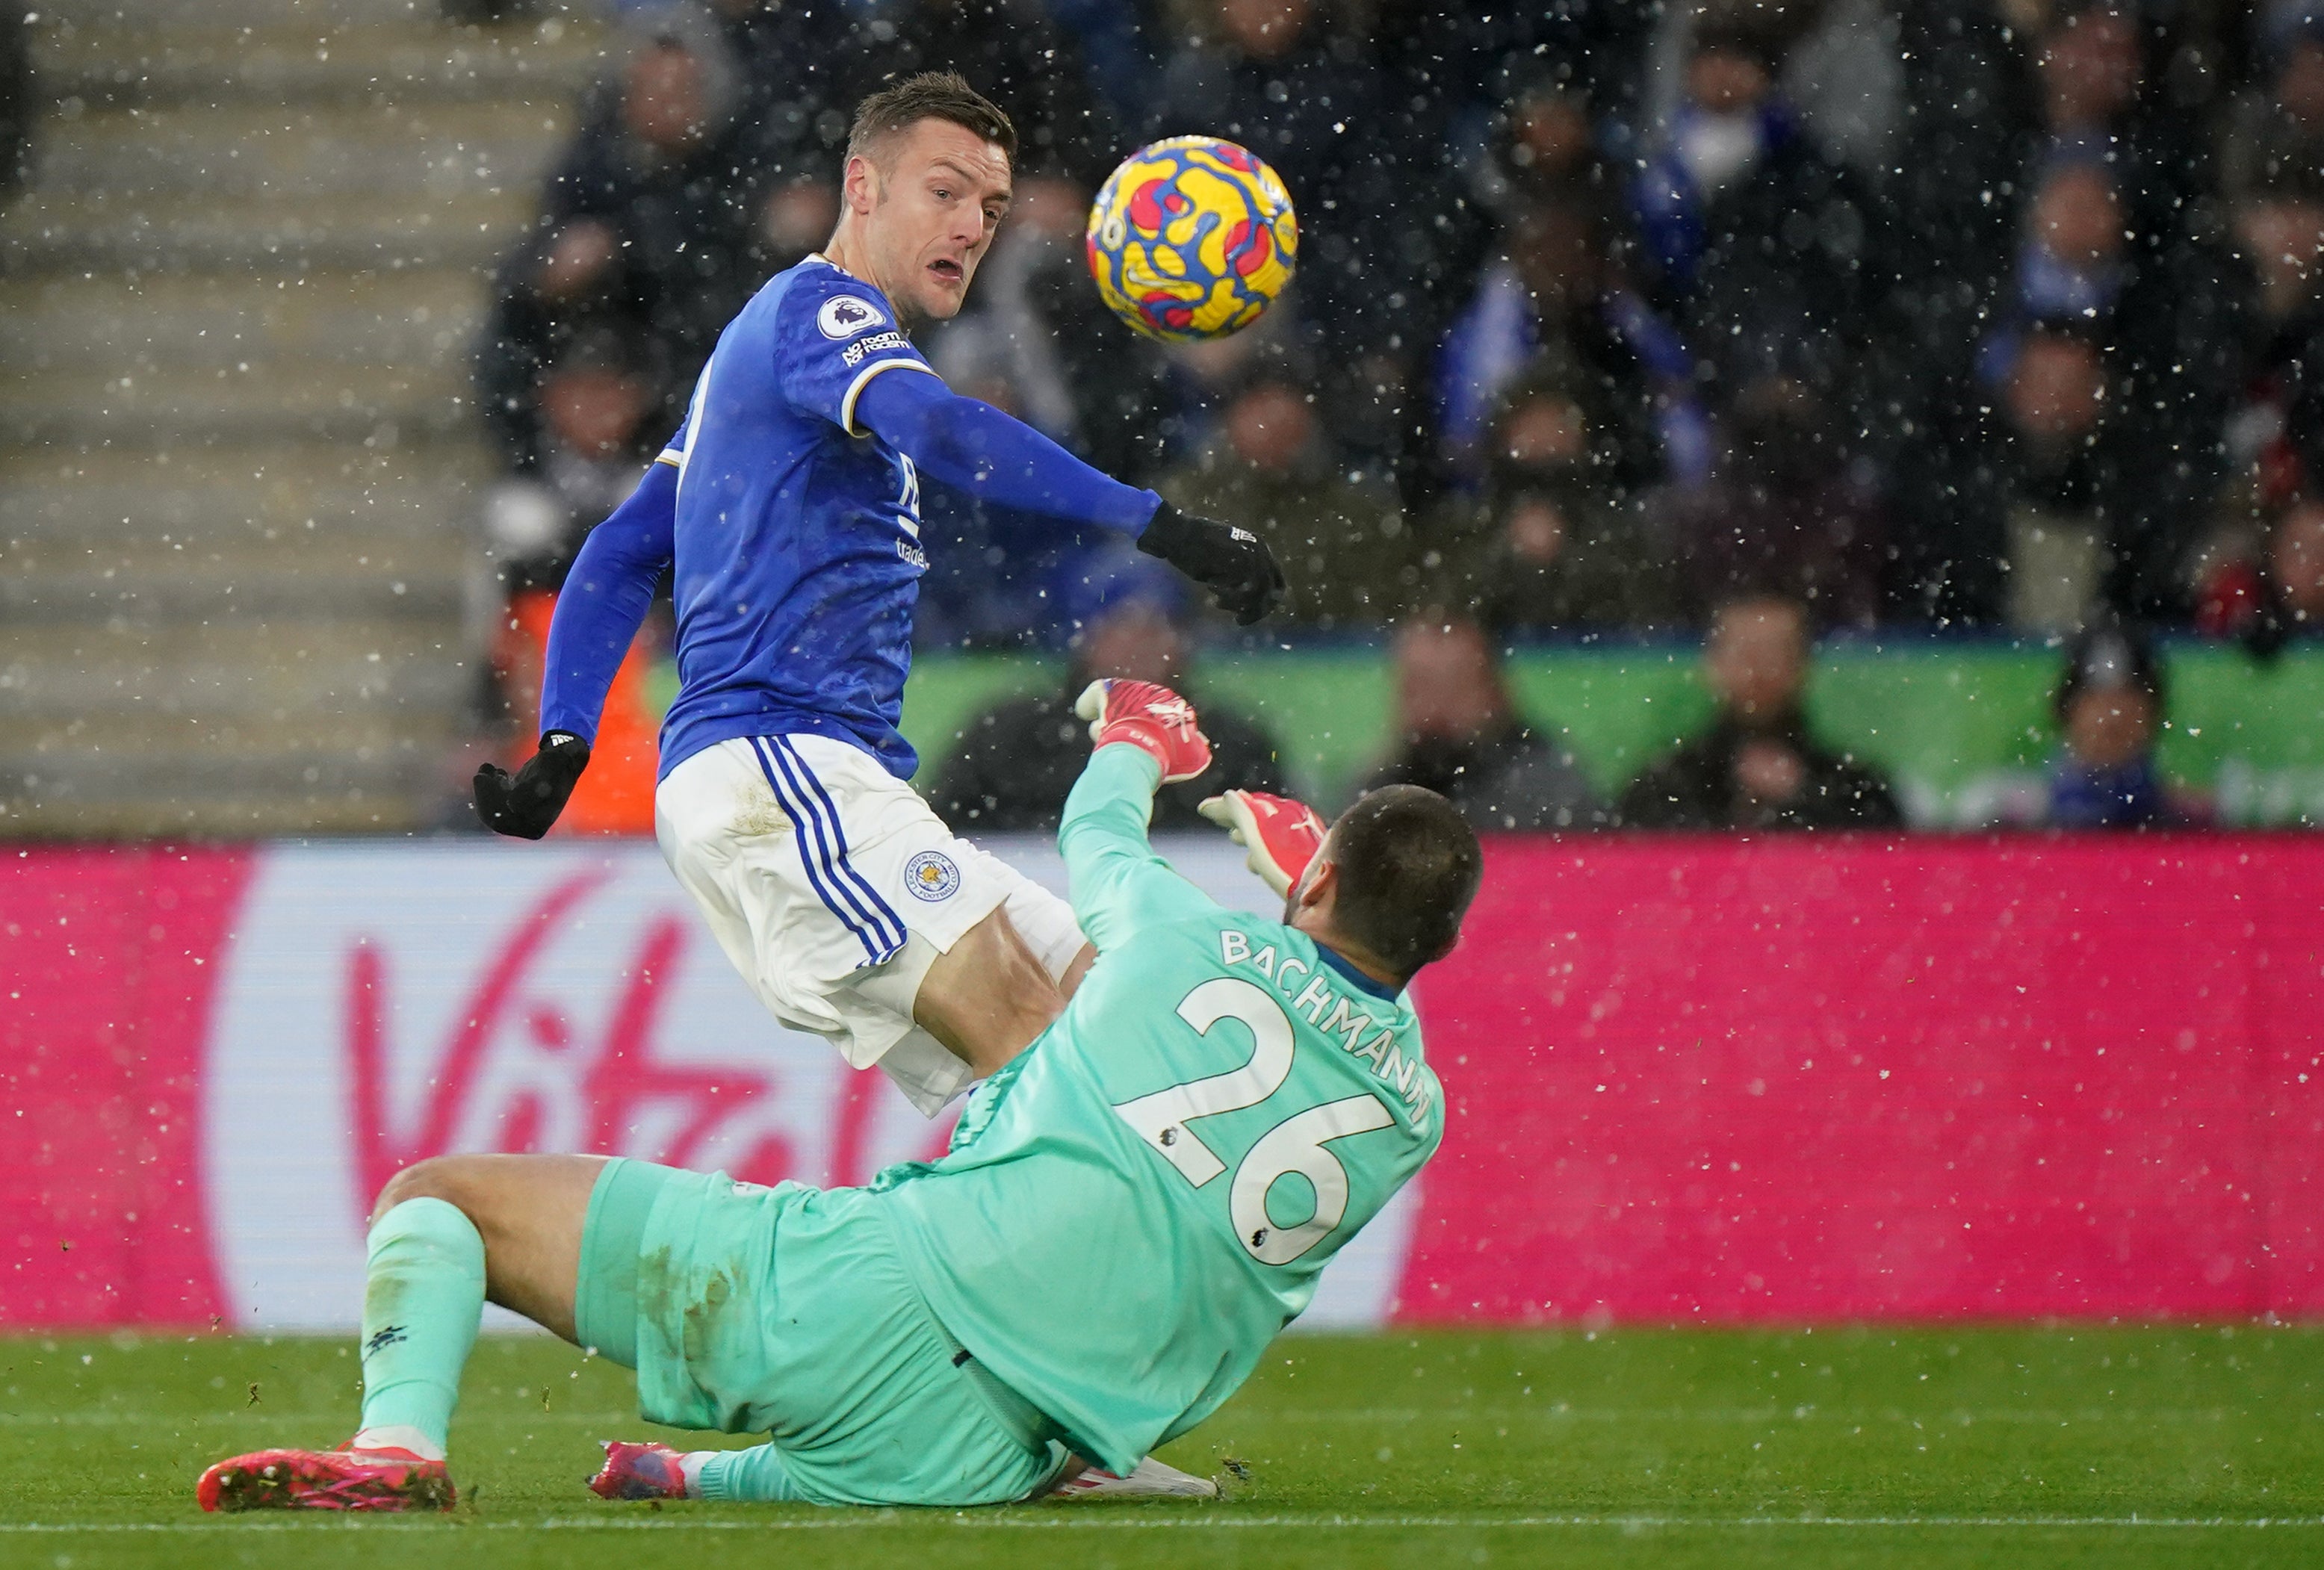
(448, 1235)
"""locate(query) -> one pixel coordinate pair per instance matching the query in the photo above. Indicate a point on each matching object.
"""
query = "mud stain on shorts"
(654, 1288)
(701, 1316)
(757, 813)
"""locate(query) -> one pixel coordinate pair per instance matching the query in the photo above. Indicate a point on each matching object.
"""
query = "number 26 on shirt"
(1296, 1144)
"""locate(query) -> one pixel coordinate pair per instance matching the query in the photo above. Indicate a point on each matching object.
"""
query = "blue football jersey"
(797, 536)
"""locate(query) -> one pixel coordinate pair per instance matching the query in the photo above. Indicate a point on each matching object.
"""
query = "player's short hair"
(929, 96)
(1408, 866)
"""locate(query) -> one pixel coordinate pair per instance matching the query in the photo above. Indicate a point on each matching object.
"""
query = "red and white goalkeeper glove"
(1150, 717)
(1283, 835)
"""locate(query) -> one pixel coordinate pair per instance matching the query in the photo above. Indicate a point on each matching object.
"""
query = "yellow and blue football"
(1192, 238)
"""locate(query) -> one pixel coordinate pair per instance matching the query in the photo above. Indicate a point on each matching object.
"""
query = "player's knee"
(433, 1178)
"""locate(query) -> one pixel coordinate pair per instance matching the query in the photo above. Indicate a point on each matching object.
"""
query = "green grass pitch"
(2067, 1446)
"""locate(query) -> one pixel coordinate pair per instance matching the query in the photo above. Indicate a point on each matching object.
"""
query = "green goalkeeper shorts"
(788, 1311)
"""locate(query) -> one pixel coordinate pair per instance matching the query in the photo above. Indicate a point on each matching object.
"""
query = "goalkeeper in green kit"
(1131, 1208)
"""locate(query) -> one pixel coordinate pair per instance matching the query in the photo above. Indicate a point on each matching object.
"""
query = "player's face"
(1304, 892)
(940, 201)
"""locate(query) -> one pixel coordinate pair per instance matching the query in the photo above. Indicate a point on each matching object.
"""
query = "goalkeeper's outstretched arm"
(1146, 735)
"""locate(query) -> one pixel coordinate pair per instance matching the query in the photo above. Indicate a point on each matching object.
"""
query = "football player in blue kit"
(787, 503)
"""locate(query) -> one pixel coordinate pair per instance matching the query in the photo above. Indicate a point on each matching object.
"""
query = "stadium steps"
(238, 451)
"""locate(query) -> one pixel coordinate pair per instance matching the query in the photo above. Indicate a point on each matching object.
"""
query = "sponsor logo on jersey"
(844, 316)
(931, 875)
(855, 353)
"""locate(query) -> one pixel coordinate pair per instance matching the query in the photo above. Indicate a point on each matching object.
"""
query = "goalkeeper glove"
(1283, 835)
(1152, 718)
(1233, 563)
(526, 804)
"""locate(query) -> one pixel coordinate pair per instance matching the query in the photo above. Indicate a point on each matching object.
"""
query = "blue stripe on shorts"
(823, 851)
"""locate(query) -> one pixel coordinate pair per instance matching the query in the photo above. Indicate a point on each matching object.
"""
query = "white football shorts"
(833, 887)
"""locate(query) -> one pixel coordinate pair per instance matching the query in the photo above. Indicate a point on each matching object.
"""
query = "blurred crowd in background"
(1752, 320)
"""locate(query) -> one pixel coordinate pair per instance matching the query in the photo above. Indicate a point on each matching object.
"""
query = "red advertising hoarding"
(1689, 1081)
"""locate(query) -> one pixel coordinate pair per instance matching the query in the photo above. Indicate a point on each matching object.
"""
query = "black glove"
(526, 804)
(1233, 563)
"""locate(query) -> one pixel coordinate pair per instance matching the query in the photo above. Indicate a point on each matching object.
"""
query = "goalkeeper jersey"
(1134, 1207)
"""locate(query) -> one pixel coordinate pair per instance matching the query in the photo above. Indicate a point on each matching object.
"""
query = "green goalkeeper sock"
(421, 1305)
(755, 1474)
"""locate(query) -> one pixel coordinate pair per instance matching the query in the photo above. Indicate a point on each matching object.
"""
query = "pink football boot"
(326, 1480)
(639, 1471)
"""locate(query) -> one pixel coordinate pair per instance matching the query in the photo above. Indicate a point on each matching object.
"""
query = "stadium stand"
(238, 301)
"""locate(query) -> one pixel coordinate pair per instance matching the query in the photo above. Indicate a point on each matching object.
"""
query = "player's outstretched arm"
(1144, 734)
(604, 600)
(973, 447)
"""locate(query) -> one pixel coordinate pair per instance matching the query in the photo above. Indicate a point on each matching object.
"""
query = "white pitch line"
(1148, 1522)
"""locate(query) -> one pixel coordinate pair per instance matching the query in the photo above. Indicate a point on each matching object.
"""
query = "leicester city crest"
(931, 875)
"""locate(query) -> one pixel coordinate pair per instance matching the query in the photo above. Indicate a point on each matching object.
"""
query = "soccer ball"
(1192, 238)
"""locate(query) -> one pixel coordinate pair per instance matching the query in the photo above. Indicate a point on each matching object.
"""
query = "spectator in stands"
(1956, 201)
(1541, 146)
(2071, 261)
(2296, 569)
(2109, 705)
(1548, 546)
(1471, 65)
(1757, 765)
(1555, 290)
(1460, 734)
(1547, 147)
(2062, 484)
(1762, 249)
(599, 405)
(2155, 302)
(798, 70)
(644, 224)
(2028, 123)
(1123, 41)
(2157, 319)
(2282, 122)
(2266, 587)
(2098, 91)
(1292, 85)
(1311, 89)
(1787, 514)
(600, 427)
(1017, 761)
(1015, 57)
(1337, 532)
(2274, 437)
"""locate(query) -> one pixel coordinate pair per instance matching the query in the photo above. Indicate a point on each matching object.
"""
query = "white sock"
(690, 1465)
(397, 1437)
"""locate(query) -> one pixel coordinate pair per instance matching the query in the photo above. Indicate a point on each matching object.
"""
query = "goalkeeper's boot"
(1150, 1479)
(639, 1471)
(344, 1479)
